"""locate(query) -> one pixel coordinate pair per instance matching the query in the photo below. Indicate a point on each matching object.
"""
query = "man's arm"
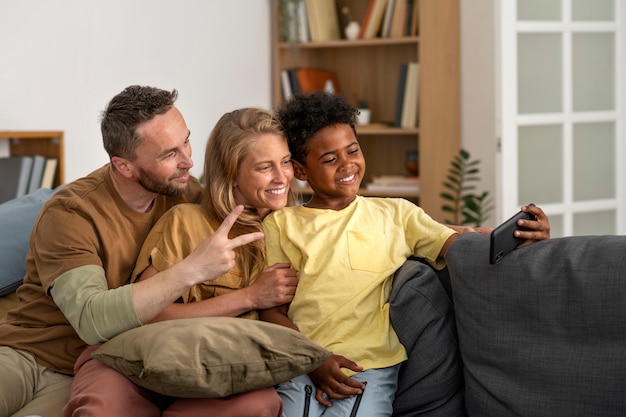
(83, 295)
(95, 312)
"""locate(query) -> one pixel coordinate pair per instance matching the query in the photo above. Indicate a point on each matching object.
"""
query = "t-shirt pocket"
(368, 251)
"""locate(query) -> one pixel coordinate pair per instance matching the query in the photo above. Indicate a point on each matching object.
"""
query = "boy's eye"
(329, 160)
(353, 151)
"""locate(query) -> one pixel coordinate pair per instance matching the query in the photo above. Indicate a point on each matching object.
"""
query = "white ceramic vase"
(352, 30)
(364, 116)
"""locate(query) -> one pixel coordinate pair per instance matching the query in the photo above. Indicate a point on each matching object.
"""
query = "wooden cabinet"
(48, 144)
(369, 69)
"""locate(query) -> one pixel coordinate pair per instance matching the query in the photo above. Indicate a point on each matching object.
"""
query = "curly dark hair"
(304, 115)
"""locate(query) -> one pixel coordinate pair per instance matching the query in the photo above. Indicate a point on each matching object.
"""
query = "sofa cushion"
(210, 357)
(543, 332)
(431, 380)
(16, 222)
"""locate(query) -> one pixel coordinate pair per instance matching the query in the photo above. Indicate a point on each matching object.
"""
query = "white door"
(562, 113)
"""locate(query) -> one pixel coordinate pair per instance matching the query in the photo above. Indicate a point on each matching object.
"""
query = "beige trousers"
(27, 388)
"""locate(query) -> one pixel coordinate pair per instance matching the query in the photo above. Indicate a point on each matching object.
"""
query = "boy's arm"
(278, 315)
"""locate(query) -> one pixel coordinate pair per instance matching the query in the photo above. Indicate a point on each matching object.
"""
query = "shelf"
(344, 43)
(369, 69)
(378, 129)
(45, 143)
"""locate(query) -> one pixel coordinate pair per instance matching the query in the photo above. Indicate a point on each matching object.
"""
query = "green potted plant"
(466, 207)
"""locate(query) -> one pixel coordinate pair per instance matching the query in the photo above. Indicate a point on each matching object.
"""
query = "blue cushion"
(16, 222)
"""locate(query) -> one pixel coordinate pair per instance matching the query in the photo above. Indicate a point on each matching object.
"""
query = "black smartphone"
(502, 239)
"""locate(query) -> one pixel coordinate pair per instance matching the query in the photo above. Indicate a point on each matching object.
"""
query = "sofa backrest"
(542, 332)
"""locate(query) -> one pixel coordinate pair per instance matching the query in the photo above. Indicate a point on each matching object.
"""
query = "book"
(323, 20)
(394, 183)
(285, 84)
(400, 95)
(49, 173)
(293, 80)
(36, 171)
(393, 188)
(398, 21)
(314, 79)
(14, 176)
(368, 15)
(303, 22)
(410, 103)
(415, 18)
(375, 21)
(397, 180)
(408, 17)
(384, 33)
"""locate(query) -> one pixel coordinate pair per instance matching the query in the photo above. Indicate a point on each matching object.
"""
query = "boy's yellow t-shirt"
(345, 261)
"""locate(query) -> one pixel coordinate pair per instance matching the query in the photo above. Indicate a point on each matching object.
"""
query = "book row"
(317, 20)
(21, 175)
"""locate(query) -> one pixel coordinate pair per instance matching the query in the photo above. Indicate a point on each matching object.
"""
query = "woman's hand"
(540, 228)
(273, 287)
(330, 380)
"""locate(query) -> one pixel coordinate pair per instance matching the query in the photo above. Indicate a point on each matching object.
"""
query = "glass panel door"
(562, 113)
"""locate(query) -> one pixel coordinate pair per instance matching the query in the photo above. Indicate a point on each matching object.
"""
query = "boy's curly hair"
(304, 115)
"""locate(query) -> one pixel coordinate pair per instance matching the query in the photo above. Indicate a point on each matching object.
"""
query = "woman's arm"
(274, 286)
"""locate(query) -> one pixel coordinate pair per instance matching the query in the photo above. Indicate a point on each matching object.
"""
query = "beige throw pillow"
(210, 357)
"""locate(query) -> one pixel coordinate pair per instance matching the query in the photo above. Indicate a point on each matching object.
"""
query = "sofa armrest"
(542, 332)
(431, 380)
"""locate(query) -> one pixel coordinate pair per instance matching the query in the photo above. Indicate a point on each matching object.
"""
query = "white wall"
(62, 60)
(479, 90)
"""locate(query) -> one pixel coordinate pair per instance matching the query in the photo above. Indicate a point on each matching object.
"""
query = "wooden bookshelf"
(369, 69)
(48, 144)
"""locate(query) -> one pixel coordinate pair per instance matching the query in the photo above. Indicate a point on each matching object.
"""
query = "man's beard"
(163, 188)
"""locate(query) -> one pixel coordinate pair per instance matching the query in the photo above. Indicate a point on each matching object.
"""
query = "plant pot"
(364, 117)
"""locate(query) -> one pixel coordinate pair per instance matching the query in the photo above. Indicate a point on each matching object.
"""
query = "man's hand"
(215, 255)
(330, 380)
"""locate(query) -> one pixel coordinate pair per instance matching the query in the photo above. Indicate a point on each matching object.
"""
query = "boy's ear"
(298, 170)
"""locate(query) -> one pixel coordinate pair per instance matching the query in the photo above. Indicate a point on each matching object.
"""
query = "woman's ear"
(298, 170)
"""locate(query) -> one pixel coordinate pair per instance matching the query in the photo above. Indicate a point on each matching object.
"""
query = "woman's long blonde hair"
(229, 143)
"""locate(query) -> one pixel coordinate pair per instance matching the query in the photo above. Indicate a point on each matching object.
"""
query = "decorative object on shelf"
(411, 162)
(364, 116)
(352, 30)
(353, 27)
(466, 207)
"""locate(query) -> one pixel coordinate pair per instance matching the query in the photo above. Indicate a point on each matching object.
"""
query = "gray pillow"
(16, 222)
(430, 383)
(543, 332)
(210, 357)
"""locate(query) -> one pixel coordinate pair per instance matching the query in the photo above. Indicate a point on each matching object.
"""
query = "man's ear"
(122, 166)
(299, 171)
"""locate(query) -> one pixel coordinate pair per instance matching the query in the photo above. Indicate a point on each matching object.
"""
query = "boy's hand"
(330, 380)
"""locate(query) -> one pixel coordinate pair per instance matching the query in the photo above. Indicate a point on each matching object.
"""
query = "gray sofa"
(541, 333)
